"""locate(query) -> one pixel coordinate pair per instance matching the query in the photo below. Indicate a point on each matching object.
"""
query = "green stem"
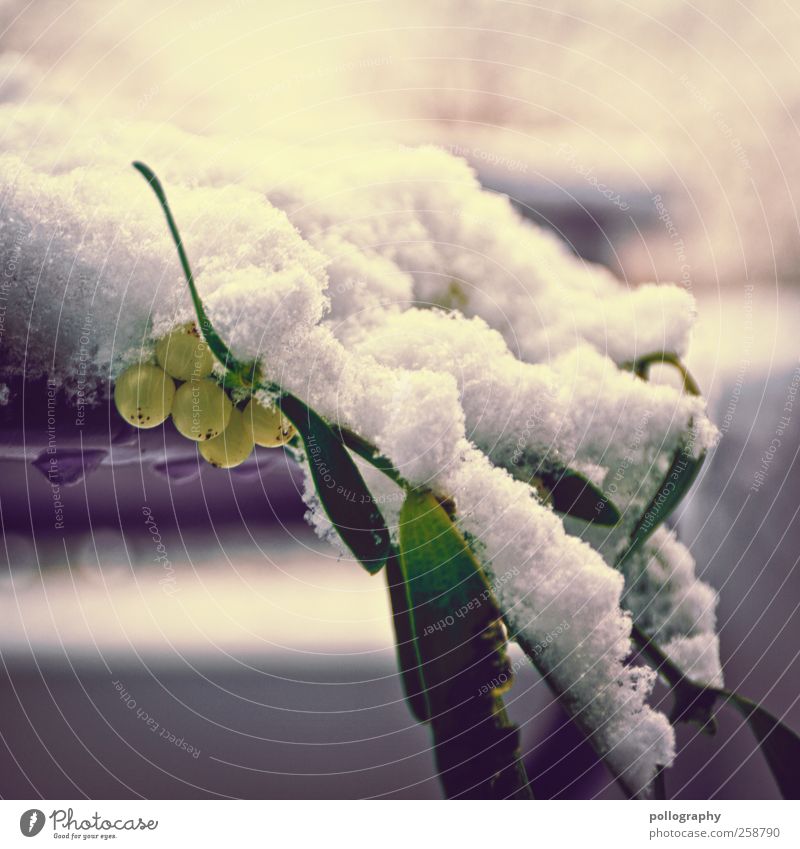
(656, 657)
(641, 367)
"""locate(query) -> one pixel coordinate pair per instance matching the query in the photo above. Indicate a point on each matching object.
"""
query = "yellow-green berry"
(201, 410)
(270, 428)
(232, 447)
(184, 354)
(144, 395)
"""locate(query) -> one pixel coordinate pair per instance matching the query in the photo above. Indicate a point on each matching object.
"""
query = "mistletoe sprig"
(452, 667)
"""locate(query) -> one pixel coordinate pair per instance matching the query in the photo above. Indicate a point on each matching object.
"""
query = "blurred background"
(658, 138)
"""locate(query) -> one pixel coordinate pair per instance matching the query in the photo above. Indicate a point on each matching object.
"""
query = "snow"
(386, 289)
(670, 604)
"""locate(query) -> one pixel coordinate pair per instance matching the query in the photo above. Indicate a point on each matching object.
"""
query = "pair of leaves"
(451, 648)
(342, 490)
(567, 490)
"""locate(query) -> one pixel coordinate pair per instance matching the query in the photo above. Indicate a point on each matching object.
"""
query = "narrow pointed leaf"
(460, 647)
(684, 468)
(677, 483)
(342, 490)
(575, 495)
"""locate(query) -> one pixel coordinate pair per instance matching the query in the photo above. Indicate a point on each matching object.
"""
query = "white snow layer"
(327, 264)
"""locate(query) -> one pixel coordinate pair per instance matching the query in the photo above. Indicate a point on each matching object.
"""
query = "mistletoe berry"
(232, 447)
(270, 428)
(184, 354)
(144, 395)
(201, 410)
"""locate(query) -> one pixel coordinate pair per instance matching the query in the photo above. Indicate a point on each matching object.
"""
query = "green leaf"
(684, 468)
(342, 490)
(460, 648)
(779, 744)
(678, 481)
(575, 495)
